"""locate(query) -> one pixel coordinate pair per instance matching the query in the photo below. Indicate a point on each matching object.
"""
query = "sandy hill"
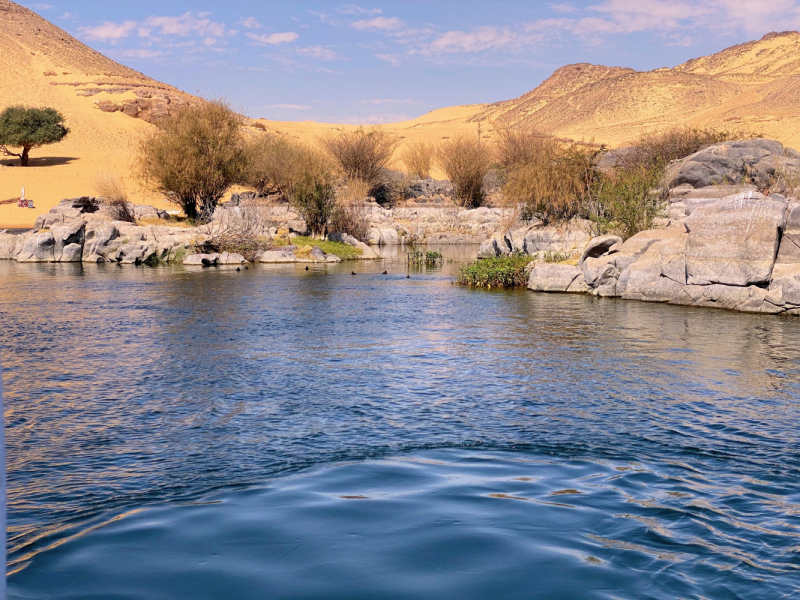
(753, 86)
(42, 65)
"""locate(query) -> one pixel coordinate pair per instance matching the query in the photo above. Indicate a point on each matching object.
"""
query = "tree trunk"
(23, 160)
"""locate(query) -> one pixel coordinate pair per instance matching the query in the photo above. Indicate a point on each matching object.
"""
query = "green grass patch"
(500, 272)
(339, 249)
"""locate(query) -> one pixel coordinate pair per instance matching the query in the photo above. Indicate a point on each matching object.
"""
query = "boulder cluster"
(739, 252)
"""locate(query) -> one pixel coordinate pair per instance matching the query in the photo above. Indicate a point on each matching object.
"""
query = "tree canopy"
(29, 128)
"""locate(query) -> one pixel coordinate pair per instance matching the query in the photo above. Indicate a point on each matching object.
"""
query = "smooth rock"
(201, 260)
(735, 240)
(40, 247)
(547, 277)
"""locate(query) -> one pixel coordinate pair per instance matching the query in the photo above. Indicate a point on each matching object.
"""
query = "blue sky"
(380, 62)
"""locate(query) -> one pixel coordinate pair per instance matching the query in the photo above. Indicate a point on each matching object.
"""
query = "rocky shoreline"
(740, 252)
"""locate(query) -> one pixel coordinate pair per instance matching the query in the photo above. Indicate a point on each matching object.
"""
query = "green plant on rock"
(429, 259)
(629, 200)
(499, 272)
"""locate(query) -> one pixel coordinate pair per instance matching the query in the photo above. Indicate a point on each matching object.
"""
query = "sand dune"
(753, 86)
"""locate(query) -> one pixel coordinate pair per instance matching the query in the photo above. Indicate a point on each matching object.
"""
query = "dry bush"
(354, 191)
(552, 181)
(466, 162)
(362, 154)
(110, 187)
(242, 229)
(194, 157)
(418, 157)
(659, 148)
(350, 218)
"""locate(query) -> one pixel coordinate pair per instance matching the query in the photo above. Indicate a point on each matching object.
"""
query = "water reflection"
(128, 387)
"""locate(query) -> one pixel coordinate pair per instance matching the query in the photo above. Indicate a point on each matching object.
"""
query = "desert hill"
(42, 65)
(752, 86)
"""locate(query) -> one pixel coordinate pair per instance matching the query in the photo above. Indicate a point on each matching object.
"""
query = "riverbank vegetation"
(499, 272)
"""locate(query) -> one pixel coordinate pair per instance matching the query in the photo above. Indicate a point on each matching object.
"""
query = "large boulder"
(201, 260)
(659, 274)
(383, 236)
(547, 277)
(40, 247)
(735, 240)
(735, 162)
(98, 241)
(8, 245)
(69, 235)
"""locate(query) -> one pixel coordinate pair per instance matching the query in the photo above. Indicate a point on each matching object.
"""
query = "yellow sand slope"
(41, 65)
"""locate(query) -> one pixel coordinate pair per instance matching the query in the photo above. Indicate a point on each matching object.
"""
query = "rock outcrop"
(740, 253)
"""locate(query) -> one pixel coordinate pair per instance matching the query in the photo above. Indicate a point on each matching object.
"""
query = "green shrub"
(499, 272)
(630, 200)
(314, 197)
(29, 128)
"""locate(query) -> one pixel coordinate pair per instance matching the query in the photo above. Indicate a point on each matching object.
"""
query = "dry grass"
(350, 218)
(362, 154)
(152, 221)
(418, 157)
(659, 148)
(110, 187)
(195, 157)
(354, 191)
(549, 179)
(466, 161)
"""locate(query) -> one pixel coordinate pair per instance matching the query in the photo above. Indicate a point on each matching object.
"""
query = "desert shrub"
(629, 199)
(362, 154)
(418, 157)
(194, 157)
(550, 180)
(466, 162)
(499, 272)
(354, 190)
(110, 187)
(29, 128)
(350, 218)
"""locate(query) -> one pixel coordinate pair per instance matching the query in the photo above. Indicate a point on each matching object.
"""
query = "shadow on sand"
(45, 161)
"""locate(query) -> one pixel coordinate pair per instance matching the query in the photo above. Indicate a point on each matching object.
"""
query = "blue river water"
(282, 433)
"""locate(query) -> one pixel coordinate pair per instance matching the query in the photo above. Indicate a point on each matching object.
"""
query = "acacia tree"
(195, 157)
(29, 128)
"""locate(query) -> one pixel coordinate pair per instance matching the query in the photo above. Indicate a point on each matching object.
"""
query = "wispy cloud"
(250, 23)
(319, 52)
(273, 38)
(41, 6)
(291, 106)
(108, 31)
(354, 9)
(379, 23)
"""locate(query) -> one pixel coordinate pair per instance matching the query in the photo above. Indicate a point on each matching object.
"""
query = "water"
(277, 433)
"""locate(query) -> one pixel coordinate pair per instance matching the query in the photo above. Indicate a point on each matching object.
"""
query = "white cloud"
(354, 9)
(384, 101)
(250, 23)
(273, 39)
(290, 106)
(184, 25)
(68, 16)
(140, 53)
(40, 6)
(563, 8)
(108, 31)
(392, 59)
(319, 52)
(380, 23)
